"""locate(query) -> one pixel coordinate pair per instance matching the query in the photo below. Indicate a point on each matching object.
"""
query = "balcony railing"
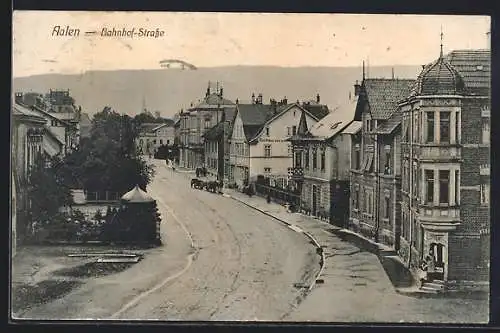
(297, 173)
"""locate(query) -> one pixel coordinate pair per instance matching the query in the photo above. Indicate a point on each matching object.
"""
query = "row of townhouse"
(322, 162)
(41, 127)
(420, 166)
(259, 139)
(65, 123)
(405, 162)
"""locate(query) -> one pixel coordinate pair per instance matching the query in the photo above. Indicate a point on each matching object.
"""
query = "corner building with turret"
(445, 168)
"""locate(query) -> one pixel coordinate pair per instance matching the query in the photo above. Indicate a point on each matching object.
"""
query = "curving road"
(244, 264)
(221, 260)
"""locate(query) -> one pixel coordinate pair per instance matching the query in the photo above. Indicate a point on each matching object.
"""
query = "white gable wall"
(238, 152)
(281, 158)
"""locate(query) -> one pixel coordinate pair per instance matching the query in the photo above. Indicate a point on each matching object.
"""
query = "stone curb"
(307, 234)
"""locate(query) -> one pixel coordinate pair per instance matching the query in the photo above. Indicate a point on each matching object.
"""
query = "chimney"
(357, 88)
(208, 90)
(393, 73)
(259, 99)
(273, 103)
(253, 98)
(18, 98)
(285, 101)
(318, 98)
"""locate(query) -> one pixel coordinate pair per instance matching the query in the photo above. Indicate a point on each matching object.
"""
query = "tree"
(46, 191)
(108, 159)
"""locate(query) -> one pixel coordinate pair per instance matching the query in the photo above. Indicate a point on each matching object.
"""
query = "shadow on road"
(398, 274)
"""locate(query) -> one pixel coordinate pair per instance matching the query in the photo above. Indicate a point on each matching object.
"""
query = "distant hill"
(169, 90)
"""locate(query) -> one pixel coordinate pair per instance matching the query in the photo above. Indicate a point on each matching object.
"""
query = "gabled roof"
(280, 110)
(254, 114)
(390, 124)
(253, 117)
(335, 122)
(48, 114)
(383, 95)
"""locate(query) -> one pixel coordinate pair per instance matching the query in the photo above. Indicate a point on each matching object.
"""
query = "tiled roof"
(390, 124)
(384, 94)
(438, 78)
(335, 121)
(317, 110)
(254, 114)
(475, 68)
(353, 127)
(251, 131)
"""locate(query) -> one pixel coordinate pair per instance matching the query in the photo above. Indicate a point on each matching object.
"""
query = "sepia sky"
(222, 39)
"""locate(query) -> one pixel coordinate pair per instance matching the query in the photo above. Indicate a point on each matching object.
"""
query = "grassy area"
(25, 296)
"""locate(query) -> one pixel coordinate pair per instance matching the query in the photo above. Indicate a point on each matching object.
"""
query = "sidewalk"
(361, 280)
(349, 271)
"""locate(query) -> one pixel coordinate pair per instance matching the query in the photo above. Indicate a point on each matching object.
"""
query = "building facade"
(216, 141)
(375, 173)
(28, 129)
(322, 161)
(62, 116)
(153, 135)
(195, 122)
(446, 167)
(259, 144)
